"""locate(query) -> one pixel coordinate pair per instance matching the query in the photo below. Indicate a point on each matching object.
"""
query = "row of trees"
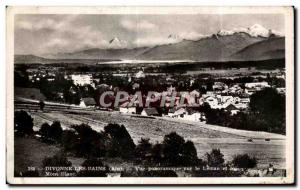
(115, 142)
(214, 159)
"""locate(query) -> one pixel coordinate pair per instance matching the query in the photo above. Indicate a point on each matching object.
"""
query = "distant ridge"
(273, 48)
(30, 59)
(252, 44)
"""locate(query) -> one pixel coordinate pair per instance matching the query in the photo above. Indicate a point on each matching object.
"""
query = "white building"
(212, 101)
(281, 90)
(140, 74)
(149, 112)
(87, 102)
(184, 114)
(232, 109)
(127, 109)
(82, 80)
(192, 117)
(255, 86)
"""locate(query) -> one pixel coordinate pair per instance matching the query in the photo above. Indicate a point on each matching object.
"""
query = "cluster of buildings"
(82, 79)
(49, 73)
(36, 74)
(232, 99)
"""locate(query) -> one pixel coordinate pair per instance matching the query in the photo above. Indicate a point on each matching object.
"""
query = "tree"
(23, 123)
(157, 153)
(69, 140)
(45, 130)
(177, 152)
(189, 154)
(51, 133)
(42, 105)
(90, 142)
(143, 149)
(119, 142)
(268, 107)
(244, 161)
(93, 167)
(215, 158)
(172, 149)
(21, 78)
(56, 131)
(267, 102)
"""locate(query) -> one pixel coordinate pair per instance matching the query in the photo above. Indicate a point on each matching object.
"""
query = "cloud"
(61, 35)
(172, 38)
(136, 26)
(43, 23)
(192, 35)
(152, 41)
(52, 33)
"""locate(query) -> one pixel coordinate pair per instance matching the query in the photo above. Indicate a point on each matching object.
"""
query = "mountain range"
(251, 44)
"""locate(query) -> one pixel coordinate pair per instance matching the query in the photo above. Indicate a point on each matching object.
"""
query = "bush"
(215, 158)
(58, 160)
(143, 149)
(93, 168)
(70, 140)
(119, 142)
(90, 142)
(244, 161)
(157, 153)
(51, 133)
(23, 123)
(44, 130)
(56, 131)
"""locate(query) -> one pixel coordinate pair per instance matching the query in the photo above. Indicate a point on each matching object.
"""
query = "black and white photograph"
(144, 95)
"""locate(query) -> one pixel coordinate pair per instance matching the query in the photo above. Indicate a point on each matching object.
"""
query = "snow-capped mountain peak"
(258, 30)
(255, 30)
(116, 43)
(174, 36)
(225, 32)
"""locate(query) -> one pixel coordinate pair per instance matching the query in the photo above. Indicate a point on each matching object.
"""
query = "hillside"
(30, 59)
(97, 53)
(273, 48)
(215, 48)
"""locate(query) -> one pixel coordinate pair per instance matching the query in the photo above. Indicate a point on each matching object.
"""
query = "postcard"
(150, 95)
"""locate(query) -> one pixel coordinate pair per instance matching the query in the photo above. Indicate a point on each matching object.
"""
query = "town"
(170, 95)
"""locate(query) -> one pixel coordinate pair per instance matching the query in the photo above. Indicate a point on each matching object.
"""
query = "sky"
(48, 34)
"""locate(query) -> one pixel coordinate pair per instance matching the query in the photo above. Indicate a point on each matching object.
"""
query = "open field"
(205, 137)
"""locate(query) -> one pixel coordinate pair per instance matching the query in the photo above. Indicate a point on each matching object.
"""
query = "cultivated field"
(205, 137)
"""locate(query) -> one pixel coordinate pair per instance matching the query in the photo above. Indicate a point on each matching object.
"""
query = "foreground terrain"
(269, 148)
